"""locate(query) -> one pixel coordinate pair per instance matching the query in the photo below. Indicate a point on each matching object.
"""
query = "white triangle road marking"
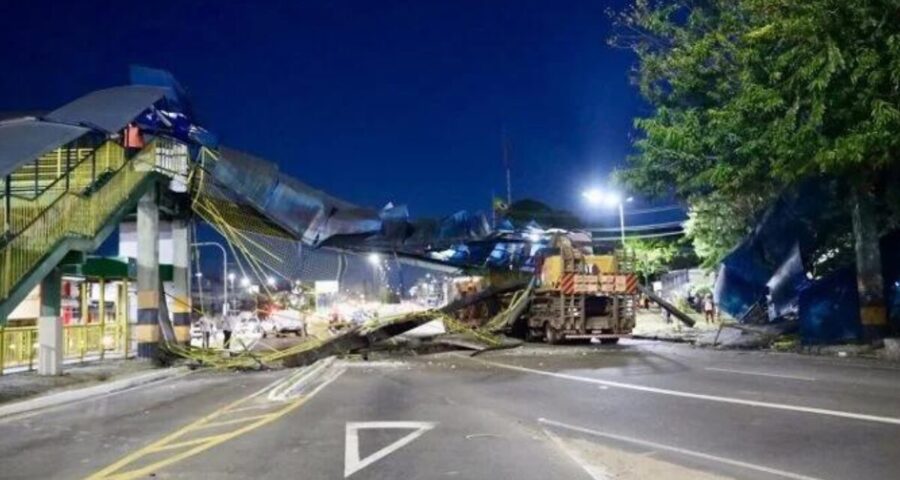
(352, 462)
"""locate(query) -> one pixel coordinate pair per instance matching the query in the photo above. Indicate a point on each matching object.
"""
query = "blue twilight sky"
(372, 101)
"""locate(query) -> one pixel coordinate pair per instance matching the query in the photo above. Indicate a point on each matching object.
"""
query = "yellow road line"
(114, 471)
(234, 420)
(185, 443)
(251, 407)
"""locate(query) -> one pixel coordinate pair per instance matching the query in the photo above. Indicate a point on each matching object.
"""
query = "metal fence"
(19, 345)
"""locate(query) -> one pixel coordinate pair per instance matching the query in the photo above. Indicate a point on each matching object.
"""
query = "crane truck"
(573, 295)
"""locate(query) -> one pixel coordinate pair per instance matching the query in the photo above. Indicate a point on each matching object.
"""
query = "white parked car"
(248, 326)
(268, 327)
(289, 321)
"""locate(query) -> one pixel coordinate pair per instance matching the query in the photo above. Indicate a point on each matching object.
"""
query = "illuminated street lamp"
(270, 281)
(245, 282)
(596, 196)
(374, 260)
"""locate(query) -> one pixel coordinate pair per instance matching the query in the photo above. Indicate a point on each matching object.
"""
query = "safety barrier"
(77, 205)
(19, 345)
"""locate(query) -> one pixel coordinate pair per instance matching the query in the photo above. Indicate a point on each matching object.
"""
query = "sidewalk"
(20, 386)
(67, 363)
(651, 324)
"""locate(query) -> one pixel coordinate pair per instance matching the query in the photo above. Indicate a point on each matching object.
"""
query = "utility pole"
(493, 210)
(197, 246)
(507, 166)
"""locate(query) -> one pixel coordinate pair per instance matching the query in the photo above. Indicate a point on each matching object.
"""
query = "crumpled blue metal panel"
(110, 109)
(251, 177)
(741, 282)
(768, 264)
(785, 284)
(464, 225)
(155, 77)
(307, 213)
(24, 140)
(395, 222)
(829, 309)
(734, 294)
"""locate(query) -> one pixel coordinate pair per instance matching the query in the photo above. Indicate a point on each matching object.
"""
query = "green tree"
(717, 223)
(751, 96)
(651, 257)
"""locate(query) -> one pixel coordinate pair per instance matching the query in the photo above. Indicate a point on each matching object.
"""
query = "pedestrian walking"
(709, 309)
(228, 324)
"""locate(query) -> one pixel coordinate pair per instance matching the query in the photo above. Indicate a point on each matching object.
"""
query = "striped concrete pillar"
(181, 281)
(50, 327)
(146, 331)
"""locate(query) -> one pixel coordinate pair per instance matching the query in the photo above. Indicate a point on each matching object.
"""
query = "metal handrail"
(67, 190)
(19, 345)
(70, 214)
(90, 156)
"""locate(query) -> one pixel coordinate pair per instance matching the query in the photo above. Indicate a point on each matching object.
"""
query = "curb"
(70, 396)
(658, 338)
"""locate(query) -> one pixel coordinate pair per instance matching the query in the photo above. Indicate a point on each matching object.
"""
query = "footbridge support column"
(181, 280)
(50, 327)
(146, 331)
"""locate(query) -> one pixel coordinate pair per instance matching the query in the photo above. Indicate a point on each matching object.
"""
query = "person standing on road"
(709, 309)
(227, 327)
(206, 327)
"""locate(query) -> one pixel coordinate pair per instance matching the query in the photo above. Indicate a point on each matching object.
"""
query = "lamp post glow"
(596, 196)
(374, 260)
(224, 270)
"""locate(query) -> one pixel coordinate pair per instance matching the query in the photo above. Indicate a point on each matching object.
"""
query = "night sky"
(372, 101)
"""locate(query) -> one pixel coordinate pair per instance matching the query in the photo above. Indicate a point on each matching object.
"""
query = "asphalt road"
(640, 410)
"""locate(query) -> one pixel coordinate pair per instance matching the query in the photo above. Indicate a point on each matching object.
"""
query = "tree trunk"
(869, 281)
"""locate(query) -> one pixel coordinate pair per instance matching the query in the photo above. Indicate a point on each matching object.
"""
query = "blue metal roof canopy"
(111, 109)
(26, 139)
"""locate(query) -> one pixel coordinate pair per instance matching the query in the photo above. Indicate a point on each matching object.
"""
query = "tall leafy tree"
(716, 224)
(652, 257)
(751, 96)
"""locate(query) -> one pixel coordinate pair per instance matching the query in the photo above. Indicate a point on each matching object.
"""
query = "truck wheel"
(609, 341)
(551, 336)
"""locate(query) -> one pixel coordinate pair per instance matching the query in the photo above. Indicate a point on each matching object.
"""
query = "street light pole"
(596, 196)
(224, 271)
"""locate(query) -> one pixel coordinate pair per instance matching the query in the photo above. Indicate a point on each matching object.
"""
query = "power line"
(664, 208)
(640, 228)
(638, 237)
